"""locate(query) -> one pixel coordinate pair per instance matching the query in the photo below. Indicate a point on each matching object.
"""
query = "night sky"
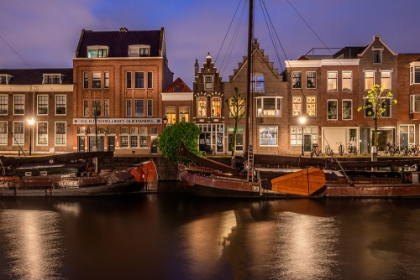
(45, 33)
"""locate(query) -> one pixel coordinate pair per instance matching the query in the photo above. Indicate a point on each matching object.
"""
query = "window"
(60, 104)
(3, 133)
(296, 80)
(369, 79)
(139, 50)
(296, 135)
(201, 107)
(332, 81)
(124, 141)
(4, 104)
(239, 144)
(143, 141)
(347, 109)
(52, 78)
(310, 79)
(332, 110)
(347, 81)
(106, 108)
(129, 108)
(19, 104)
(18, 138)
(407, 134)
(208, 82)
(42, 105)
(60, 133)
(386, 79)
(97, 51)
(177, 89)
(184, 113)
(170, 113)
(128, 80)
(414, 74)
(297, 105)
(257, 82)
(216, 106)
(5, 79)
(311, 105)
(139, 108)
(149, 107)
(96, 80)
(414, 103)
(268, 106)
(139, 79)
(134, 141)
(85, 80)
(236, 107)
(149, 80)
(377, 56)
(268, 136)
(42, 133)
(386, 104)
(106, 79)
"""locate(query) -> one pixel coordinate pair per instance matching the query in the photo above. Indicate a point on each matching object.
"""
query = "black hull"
(119, 188)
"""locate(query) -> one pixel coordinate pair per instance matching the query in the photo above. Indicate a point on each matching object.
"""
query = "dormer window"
(139, 50)
(98, 51)
(5, 79)
(415, 72)
(52, 79)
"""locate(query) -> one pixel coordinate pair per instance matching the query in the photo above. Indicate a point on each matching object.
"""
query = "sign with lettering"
(118, 121)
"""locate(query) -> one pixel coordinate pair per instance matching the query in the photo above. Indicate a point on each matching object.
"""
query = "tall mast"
(248, 79)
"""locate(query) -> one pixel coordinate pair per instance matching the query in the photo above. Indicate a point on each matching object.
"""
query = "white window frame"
(297, 106)
(208, 82)
(296, 80)
(62, 103)
(415, 103)
(4, 104)
(347, 80)
(366, 79)
(332, 81)
(262, 111)
(311, 106)
(3, 133)
(18, 135)
(44, 135)
(201, 106)
(343, 113)
(18, 106)
(56, 79)
(62, 140)
(139, 50)
(336, 109)
(268, 136)
(311, 80)
(414, 68)
(42, 103)
(216, 106)
(101, 51)
(258, 82)
(386, 79)
(96, 80)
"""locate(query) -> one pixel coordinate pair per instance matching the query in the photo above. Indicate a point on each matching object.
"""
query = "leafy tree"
(375, 107)
(236, 106)
(171, 138)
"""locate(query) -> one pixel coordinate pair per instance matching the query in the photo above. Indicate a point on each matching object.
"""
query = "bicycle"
(340, 148)
(328, 150)
(315, 150)
(351, 149)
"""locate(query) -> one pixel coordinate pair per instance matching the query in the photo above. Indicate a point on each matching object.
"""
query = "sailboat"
(217, 180)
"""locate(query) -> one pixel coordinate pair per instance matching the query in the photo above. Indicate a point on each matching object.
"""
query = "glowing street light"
(31, 124)
(302, 120)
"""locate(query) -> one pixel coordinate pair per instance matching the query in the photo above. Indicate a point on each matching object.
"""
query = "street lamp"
(31, 123)
(302, 120)
(164, 121)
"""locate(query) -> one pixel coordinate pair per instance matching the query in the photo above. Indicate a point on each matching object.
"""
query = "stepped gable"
(255, 51)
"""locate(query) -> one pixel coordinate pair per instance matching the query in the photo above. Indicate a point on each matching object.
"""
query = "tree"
(171, 138)
(376, 107)
(236, 106)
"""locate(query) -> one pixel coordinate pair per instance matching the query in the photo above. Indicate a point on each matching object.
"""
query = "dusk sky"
(45, 33)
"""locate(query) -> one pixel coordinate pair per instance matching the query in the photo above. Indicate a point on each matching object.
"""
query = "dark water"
(182, 237)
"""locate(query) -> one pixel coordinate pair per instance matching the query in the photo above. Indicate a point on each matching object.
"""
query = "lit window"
(184, 113)
(268, 136)
(236, 107)
(42, 133)
(297, 105)
(268, 106)
(347, 81)
(201, 106)
(386, 79)
(332, 81)
(311, 106)
(106, 79)
(98, 51)
(369, 80)
(170, 113)
(216, 106)
(96, 80)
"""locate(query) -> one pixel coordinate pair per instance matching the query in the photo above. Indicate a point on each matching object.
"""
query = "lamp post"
(31, 123)
(302, 120)
(164, 121)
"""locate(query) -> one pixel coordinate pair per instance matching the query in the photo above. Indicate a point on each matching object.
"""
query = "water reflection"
(32, 244)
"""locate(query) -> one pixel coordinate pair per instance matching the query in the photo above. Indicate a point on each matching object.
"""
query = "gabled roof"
(178, 82)
(376, 38)
(118, 41)
(35, 76)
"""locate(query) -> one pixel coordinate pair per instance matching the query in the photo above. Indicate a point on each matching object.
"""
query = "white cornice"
(36, 88)
(320, 63)
(177, 96)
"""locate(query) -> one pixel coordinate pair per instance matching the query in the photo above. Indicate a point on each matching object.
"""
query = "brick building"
(36, 110)
(119, 77)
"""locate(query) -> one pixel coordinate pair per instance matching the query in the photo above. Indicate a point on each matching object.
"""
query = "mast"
(248, 79)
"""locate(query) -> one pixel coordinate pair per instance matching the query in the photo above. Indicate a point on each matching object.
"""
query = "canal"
(177, 236)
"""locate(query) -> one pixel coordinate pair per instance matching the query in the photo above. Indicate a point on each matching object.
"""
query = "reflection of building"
(119, 77)
(44, 95)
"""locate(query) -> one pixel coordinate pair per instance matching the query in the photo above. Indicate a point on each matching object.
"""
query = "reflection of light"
(33, 243)
(73, 208)
(202, 235)
(306, 246)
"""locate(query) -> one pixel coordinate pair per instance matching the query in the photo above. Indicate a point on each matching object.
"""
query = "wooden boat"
(45, 176)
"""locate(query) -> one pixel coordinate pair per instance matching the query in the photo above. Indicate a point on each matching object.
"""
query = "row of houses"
(120, 95)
